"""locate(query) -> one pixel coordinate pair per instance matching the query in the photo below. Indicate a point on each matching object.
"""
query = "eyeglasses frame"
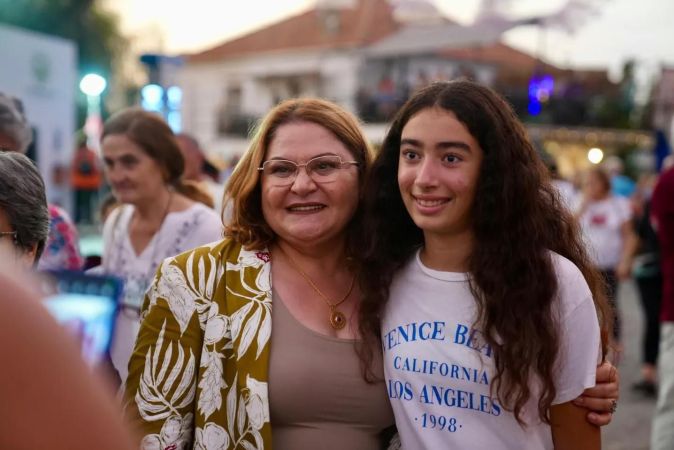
(292, 179)
(14, 234)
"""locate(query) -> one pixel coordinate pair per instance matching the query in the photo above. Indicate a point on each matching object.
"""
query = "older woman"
(204, 373)
(24, 217)
(61, 250)
(159, 216)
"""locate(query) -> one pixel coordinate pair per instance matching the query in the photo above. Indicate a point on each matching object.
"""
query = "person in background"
(62, 249)
(606, 222)
(662, 217)
(24, 217)
(475, 281)
(621, 184)
(198, 169)
(566, 189)
(85, 179)
(160, 214)
(15, 132)
(642, 262)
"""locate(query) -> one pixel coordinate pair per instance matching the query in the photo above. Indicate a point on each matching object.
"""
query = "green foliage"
(95, 30)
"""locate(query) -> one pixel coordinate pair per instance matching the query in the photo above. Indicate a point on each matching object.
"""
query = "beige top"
(317, 396)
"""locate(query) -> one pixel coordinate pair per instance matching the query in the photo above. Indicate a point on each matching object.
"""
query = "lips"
(431, 202)
(306, 207)
(121, 186)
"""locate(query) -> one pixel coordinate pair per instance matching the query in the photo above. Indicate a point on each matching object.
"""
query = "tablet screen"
(86, 306)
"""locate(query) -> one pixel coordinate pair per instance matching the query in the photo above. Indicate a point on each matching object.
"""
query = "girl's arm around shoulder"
(570, 429)
(580, 342)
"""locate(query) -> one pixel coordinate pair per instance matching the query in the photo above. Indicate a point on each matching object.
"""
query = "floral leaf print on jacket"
(211, 306)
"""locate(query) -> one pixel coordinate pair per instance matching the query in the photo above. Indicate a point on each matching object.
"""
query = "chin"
(125, 197)
(433, 226)
(311, 235)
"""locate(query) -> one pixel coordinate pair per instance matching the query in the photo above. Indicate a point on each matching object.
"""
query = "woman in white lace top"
(161, 215)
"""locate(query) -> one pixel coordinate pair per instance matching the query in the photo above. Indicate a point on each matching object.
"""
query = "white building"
(366, 55)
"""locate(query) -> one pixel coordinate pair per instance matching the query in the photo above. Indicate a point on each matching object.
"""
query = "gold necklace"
(337, 318)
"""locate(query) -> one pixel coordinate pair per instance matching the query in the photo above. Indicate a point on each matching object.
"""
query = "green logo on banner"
(41, 66)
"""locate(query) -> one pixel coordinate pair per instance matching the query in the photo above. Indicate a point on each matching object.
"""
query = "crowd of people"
(439, 294)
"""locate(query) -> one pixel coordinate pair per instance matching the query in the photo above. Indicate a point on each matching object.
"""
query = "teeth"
(430, 203)
(306, 208)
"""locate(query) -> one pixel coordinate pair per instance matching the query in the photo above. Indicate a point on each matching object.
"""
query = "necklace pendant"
(337, 319)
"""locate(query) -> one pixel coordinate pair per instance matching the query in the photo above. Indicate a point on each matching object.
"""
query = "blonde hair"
(242, 194)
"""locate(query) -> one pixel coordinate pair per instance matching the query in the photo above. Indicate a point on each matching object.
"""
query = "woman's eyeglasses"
(322, 169)
(9, 233)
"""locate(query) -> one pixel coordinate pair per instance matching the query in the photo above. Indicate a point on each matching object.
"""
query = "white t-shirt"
(601, 222)
(181, 231)
(439, 370)
(567, 193)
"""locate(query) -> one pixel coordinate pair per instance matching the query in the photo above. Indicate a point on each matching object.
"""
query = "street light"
(93, 85)
(595, 155)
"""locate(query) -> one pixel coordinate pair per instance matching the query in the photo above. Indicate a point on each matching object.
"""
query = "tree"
(95, 30)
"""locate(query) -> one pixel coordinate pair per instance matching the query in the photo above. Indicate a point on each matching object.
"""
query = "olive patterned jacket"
(198, 374)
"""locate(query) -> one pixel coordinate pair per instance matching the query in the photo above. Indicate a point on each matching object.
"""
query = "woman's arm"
(570, 430)
(630, 248)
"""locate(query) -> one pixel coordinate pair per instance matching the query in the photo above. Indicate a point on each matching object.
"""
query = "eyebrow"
(124, 157)
(313, 157)
(440, 145)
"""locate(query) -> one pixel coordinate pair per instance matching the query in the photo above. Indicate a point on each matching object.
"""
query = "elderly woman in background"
(204, 373)
(61, 250)
(158, 216)
(24, 218)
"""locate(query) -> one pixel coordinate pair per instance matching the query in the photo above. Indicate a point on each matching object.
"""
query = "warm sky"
(618, 29)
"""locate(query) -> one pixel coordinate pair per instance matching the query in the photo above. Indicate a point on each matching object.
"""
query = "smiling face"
(133, 175)
(307, 212)
(439, 166)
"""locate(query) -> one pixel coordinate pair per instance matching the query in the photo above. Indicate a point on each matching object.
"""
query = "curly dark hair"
(517, 219)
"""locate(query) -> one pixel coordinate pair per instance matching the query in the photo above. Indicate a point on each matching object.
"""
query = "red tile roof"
(368, 21)
(516, 66)
(496, 53)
